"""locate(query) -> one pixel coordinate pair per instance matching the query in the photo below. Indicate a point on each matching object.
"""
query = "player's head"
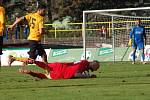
(42, 10)
(138, 22)
(94, 65)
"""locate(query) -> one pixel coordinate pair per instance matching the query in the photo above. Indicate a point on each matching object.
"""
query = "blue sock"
(134, 56)
(143, 57)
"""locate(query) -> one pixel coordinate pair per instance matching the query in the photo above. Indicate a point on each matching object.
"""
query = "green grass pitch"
(115, 81)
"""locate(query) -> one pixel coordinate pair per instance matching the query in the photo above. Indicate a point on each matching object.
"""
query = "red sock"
(41, 64)
(38, 75)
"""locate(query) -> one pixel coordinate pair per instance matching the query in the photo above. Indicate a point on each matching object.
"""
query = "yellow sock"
(46, 71)
(21, 59)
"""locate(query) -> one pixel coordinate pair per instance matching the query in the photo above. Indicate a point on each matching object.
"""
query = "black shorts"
(1, 44)
(35, 49)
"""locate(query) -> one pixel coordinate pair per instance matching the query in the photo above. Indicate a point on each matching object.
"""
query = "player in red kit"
(61, 70)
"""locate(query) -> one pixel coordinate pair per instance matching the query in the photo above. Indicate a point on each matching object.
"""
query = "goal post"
(118, 23)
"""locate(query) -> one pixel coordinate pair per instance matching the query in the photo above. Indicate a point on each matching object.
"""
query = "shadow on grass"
(77, 85)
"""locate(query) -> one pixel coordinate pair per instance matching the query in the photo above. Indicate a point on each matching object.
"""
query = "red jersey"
(66, 70)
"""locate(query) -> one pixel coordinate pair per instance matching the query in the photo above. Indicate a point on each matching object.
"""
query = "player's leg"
(141, 47)
(34, 74)
(11, 59)
(32, 54)
(41, 52)
(134, 55)
(143, 56)
(44, 57)
(33, 49)
(134, 47)
(42, 65)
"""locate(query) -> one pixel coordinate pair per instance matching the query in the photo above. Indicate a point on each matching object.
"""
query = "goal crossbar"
(112, 10)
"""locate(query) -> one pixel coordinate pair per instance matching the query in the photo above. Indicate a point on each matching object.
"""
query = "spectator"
(103, 32)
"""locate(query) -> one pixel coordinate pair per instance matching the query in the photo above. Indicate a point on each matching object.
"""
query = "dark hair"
(94, 65)
(42, 6)
(96, 61)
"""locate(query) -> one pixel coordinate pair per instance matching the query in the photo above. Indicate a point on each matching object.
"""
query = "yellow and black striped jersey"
(35, 22)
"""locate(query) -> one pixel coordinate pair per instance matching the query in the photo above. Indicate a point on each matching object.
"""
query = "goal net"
(111, 29)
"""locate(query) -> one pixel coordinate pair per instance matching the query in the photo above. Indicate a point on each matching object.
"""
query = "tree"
(49, 10)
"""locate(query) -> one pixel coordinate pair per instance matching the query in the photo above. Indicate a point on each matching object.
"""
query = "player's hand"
(10, 28)
(45, 31)
(130, 42)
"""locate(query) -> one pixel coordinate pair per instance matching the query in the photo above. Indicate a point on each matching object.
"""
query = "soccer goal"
(117, 23)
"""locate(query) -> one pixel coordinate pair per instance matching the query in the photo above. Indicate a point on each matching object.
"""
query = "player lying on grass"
(60, 70)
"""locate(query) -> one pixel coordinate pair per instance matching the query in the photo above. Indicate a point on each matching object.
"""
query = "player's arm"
(42, 30)
(130, 37)
(131, 33)
(81, 75)
(18, 20)
(84, 75)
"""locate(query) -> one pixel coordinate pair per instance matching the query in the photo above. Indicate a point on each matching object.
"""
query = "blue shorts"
(139, 45)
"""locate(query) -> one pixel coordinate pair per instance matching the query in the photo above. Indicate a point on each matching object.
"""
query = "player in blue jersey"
(138, 38)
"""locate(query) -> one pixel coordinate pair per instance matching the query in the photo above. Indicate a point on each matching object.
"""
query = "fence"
(72, 35)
